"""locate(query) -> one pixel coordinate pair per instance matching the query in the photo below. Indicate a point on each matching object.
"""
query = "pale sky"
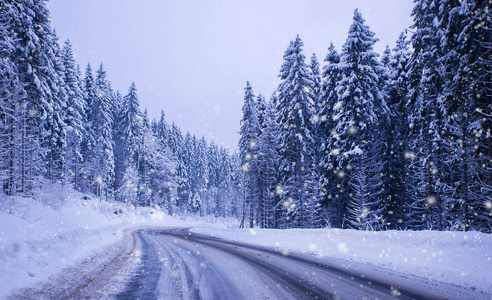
(192, 58)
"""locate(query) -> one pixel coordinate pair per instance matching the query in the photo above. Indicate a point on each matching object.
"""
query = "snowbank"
(39, 237)
(462, 258)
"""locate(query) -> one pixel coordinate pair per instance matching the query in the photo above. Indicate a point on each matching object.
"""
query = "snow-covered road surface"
(174, 263)
(178, 264)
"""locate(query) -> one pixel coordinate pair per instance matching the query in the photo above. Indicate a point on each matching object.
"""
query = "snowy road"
(177, 264)
(173, 263)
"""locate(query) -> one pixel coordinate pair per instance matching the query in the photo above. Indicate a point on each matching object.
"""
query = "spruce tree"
(269, 167)
(356, 116)
(399, 153)
(295, 109)
(102, 127)
(249, 148)
(334, 200)
(74, 115)
(11, 112)
(89, 137)
(465, 90)
(427, 121)
(131, 126)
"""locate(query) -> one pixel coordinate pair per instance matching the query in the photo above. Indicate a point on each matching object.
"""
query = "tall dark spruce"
(296, 138)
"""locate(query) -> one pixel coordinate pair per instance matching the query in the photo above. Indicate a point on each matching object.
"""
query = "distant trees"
(59, 126)
(392, 143)
(398, 142)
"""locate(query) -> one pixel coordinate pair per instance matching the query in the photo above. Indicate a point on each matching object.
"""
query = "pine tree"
(248, 147)
(317, 84)
(201, 173)
(261, 108)
(74, 115)
(102, 127)
(11, 100)
(269, 167)
(35, 60)
(334, 201)
(295, 101)
(143, 158)
(465, 90)
(55, 142)
(399, 153)
(315, 180)
(176, 146)
(89, 137)
(356, 113)
(427, 122)
(131, 126)
(118, 146)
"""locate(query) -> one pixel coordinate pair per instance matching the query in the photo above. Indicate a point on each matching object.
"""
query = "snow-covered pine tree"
(162, 172)
(317, 83)
(11, 100)
(35, 62)
(249, 148)
(334, 202)
(356, 114)
(189, 161)
(294, 107)
(399, 152)
(201, 179)
(236, 186)
(212, 187)
(261, 107)
(315, 178)
(55, 141)
(427, 121)
(465, 91)
(194, 204)
(102, 127)
(118, 145)
(227, 196)
(8, 101)
(74, 116)
(162, 130)
(131, 126)
(89, 137)
(144, 156)
(269, 166)
(176, 145)
(260, 205)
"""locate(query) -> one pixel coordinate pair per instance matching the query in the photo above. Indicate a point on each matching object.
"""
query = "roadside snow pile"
(39, 237)
(463, 258)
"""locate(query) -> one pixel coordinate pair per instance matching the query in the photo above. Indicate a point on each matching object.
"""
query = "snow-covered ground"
(462, 258)
(39, 237)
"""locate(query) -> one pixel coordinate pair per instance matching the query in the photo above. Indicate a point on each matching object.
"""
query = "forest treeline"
(398, 141)
(58, 125)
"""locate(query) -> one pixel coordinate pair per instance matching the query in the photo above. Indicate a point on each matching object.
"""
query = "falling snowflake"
(352, 130)
(488, 204)
(409, 154)
(278, 189)
(342, 247)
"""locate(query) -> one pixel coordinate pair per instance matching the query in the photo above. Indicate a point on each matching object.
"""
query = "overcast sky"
(192, 58)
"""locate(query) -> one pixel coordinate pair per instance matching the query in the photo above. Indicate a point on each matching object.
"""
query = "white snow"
(462, 258)
(39, 237)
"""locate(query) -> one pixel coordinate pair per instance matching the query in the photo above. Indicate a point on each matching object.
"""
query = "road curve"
(173, 263)
(178, 264)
